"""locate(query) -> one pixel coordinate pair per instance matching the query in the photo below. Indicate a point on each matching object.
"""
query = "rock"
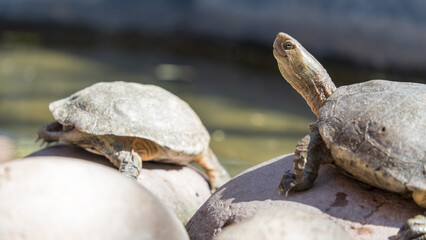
(181, 188)
(6, 149)
(363, 211)
(289, 224)
(65, 198)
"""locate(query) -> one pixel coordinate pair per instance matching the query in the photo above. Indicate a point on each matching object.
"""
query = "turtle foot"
(43, 142)
(216, 173)
(288, 181)
(130, 162)
(130, 175)
(217, 181)
(49, 133)
(130, 171)
(414, 228)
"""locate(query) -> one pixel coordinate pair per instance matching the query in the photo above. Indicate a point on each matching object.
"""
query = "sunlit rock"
(48, 198)
(361, 210)
(181, 188)
(280, 223)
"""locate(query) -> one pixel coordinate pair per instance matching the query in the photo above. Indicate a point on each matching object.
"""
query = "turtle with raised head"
(129, 123)
(373, 131)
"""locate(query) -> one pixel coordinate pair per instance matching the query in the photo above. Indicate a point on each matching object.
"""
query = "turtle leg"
(51, 132)
(55, 132)
(119, 150)
(216, 174)
(121, 153)
(310, 153)
(415, 228)
(131, 163)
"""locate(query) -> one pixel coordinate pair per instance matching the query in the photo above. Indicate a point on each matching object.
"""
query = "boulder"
(64, 198)
(181, 188)
(363, 211)
(6, 149)
(289, 224)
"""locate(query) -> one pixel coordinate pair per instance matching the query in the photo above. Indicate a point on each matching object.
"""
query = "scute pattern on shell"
(137, 110)
(376, 132)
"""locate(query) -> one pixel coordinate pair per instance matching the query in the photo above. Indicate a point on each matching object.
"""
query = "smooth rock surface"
(6, 149)
(288, 224)
(363, 211)
(64, 198)
(181, 188)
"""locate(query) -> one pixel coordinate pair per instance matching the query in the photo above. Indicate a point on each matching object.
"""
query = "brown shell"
(376, 132)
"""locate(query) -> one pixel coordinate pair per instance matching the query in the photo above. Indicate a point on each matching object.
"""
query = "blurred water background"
(216, 55)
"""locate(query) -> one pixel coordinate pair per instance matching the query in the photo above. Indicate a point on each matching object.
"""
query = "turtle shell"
(134, 110)
(376, 132)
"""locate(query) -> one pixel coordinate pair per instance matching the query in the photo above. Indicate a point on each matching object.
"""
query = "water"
(251, 114)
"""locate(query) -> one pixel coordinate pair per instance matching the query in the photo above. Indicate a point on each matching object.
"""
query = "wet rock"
(64, 198)
(289, 224)
(181, 188)
(361, 210)
(6, 149)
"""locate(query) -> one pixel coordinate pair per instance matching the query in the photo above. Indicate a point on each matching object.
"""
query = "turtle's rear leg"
(216, 174)
(415, 228)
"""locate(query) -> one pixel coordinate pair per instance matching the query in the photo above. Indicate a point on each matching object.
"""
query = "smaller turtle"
(129, 123)
(372, 131)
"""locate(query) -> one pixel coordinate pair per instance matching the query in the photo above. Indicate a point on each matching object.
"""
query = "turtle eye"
(287, 45)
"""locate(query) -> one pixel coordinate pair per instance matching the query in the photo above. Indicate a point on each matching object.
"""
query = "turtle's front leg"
(121, 153)
(414, 228)
(131, 163)
(310, 153)
(52, 132)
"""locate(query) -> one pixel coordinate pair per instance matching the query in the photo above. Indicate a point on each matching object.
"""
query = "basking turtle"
(130, 123)
(373, 131)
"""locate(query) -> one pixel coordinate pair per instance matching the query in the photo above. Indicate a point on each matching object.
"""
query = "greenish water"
(252, 115)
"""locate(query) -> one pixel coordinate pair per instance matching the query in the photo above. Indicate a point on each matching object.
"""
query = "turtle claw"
(287, 183)
(43, 143)
(414, 228)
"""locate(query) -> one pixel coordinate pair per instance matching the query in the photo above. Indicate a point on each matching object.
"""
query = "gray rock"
(181, 188)
(289, 224)
(64, 198)
(363, 211)
(6, 149)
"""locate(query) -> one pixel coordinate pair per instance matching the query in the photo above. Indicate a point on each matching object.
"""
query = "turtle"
(131, 122)
(372, 131)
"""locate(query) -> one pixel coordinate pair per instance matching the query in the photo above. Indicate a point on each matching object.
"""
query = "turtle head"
(303, 71)
(289, 52)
